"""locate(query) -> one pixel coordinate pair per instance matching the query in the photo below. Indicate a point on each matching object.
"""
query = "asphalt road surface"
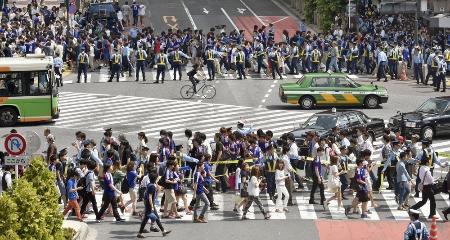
(129, 107)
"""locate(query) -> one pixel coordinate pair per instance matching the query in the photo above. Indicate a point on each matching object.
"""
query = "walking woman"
(426, 187)
(334, 183)
(109, 196)
(73, 195)
(280, 181)
(132, 181)
(253, 193)
(243, 176)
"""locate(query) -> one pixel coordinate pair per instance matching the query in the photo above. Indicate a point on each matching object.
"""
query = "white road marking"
(306, 210)
(279, 20)
(270, 90)
(389, 197)
(189, 15)
(254, 14)
(229, 19)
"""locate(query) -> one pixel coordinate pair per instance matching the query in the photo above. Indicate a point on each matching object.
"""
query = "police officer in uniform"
(392, 62)
(83, 63)
(116, 63)
(275, 60)
(240, 63)
(259, 49)
(315, 59)
(141, 56)
(177, 56)
(447, 59)
(432, 66)
(210, 55)
(269, 171)
(161, 62)
(416, 229)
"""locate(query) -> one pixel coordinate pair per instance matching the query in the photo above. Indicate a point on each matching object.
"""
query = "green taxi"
(331, 89)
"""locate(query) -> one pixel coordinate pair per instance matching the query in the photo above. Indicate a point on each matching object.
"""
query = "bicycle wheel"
(208, 91)
(187, 92)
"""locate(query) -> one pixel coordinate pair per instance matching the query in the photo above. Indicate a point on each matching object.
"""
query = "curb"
(81, 229)
(313, 28)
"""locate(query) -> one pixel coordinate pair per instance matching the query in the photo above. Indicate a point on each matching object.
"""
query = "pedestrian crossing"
(98, 111)
(103, 75)
(386, 210)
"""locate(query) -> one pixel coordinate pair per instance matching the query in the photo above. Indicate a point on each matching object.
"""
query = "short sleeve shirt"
(72, 184)
(109, 181)
(150, 192)
(89, 179)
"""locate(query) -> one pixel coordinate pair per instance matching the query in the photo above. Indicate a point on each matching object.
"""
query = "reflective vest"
(141, 56)
(315, 57)
(393, 55)
(270, 166)
(339, 53)
(162, 60)
(447, 56)
(366, 53)
(302, 53)
(434, 63)
(240, 57)
(278, 57)
(116, 59)
(210, 55)
(295, 51)
(427, 156)
(82, 58)
(176, 57)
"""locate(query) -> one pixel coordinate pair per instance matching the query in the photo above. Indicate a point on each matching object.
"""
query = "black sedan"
(349, 120)
(432, 118)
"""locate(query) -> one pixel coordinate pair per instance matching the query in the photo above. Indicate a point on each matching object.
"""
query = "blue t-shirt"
(131, 178)
(109, 181)
(208, 169)
(318, 165)
(72, 184)
(150, 192)
(198, 178)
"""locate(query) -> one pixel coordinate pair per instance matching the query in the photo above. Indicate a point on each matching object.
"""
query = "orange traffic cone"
(434, 230)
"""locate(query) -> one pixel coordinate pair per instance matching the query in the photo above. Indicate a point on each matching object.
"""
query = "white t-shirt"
(253, 187)
(238, 178)
(141, 11)
(279, 178)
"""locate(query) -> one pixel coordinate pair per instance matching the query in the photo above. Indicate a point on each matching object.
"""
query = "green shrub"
(31, 209)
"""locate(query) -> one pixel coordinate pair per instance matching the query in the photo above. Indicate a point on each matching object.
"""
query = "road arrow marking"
(241, 10)
(205, 11)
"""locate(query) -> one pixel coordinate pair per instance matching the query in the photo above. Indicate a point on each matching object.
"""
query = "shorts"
(169, 196)
(362, 195)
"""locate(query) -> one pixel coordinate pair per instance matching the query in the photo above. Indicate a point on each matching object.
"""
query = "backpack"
(125, 188)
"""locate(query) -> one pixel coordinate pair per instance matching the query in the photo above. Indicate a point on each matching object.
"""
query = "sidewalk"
(82, 230)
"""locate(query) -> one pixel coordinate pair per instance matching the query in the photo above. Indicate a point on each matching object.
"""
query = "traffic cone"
(433, 229)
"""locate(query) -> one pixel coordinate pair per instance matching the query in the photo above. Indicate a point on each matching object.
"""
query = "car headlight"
(410, 124)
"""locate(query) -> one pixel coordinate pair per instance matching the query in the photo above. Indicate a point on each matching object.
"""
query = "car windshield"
(321, 122)
(433, 105)
(353, 82)
(301, 79)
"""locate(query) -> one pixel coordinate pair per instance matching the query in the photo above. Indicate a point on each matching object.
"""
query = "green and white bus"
(28, 91)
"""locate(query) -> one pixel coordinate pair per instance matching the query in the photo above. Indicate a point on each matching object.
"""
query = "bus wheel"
(8, 117)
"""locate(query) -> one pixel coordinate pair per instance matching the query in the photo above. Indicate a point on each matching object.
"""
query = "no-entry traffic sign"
(15, 144)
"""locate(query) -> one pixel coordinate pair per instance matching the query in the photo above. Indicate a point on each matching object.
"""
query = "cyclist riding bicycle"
(192, 78)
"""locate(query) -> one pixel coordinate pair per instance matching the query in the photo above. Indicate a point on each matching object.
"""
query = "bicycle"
(208, 91)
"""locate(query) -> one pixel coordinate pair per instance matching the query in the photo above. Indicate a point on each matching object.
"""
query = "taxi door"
(322, 90)
(348, 92)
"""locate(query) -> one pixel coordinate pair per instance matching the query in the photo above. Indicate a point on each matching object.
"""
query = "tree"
(327, 10)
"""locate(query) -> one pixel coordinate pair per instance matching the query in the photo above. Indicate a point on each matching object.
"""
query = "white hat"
(413, 211)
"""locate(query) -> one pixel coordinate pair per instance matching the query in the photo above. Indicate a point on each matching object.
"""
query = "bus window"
(10, 84)
(39, 84)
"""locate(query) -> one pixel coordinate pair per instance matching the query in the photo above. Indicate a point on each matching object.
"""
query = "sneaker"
(120, 220)
(154, 229)
(278, 210)
(197, 221)
(267, 216)
(244, 217)
(214, 208)
(286, 209)
(140, 235)
(145, 231)
(364, 216)
(202, 219)
(165, 233)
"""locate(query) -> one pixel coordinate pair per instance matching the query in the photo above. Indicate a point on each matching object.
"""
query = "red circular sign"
(15, 144)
